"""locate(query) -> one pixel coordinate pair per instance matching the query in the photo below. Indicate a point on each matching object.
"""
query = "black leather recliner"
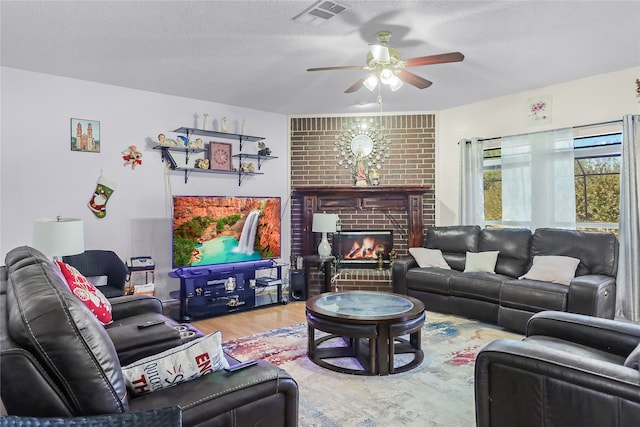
(58, 360)
(569, 370)
(95, 263)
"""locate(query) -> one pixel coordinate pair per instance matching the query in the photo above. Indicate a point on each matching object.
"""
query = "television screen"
(211, 230)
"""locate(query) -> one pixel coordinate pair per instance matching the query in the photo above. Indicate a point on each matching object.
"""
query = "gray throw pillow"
(633, 360)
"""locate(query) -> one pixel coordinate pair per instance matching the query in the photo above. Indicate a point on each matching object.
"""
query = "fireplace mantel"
(405, 198)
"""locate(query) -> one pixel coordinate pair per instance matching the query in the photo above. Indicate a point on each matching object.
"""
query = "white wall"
(41, 177)
(580, 102)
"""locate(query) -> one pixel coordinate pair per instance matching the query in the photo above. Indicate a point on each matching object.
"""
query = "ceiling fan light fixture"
(371, 82)
(380, 53)
(386, 75)
(395, 83)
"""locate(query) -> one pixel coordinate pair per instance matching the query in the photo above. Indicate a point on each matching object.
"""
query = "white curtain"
(628, 280)
(538, 187)
(471, 200)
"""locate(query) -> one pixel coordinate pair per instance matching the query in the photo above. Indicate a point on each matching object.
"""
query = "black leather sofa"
(501, 297)
(569, 370)
(58, 360)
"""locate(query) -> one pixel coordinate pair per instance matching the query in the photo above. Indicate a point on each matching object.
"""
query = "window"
(597, 181)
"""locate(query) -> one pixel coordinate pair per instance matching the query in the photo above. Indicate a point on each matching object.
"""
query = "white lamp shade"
(59, 237)
(324, 223)
(371, 82)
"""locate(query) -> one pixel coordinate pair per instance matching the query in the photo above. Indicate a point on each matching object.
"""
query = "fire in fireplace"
(359, 248)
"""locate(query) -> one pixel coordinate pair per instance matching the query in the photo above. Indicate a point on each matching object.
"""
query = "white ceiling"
(252, 54)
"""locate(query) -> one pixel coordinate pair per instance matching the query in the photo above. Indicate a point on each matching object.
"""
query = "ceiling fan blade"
(434, 59)
(345, 67)
(413, 79)
(380, 53)
(357, 85)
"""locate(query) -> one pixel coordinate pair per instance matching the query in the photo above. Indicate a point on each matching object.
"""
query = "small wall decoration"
(539, 110)
(132, 156)
(219, 155)
(85, 135)
(98, 202)
(362, 146)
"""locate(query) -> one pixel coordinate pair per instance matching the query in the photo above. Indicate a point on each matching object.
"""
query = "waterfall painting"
(211, 230)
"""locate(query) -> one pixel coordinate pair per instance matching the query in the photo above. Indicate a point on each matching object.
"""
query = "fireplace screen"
(359, 248)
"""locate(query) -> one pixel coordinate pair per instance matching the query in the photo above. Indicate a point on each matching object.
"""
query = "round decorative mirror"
(362, 147)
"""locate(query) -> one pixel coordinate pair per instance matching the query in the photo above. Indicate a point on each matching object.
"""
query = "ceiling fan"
(389, 68)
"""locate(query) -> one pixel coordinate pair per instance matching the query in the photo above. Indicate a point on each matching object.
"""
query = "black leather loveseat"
(569, 370)
(58, 360)
(501, 297)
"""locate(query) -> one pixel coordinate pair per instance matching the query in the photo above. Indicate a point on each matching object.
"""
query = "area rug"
(437, 393)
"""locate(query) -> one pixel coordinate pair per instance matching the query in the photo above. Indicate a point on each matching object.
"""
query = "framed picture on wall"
(85, 135)
(219, 155)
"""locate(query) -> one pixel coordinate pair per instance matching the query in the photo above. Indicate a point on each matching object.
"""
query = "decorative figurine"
(264, 150)
(205, 124)
(374, 177)
(202, 163)
(132, 156)
(166, 142)
(223, 125)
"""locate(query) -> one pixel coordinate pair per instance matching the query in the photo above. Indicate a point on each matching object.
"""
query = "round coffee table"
(367, 327)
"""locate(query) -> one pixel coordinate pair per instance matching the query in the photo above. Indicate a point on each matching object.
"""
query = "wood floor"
(238, 325)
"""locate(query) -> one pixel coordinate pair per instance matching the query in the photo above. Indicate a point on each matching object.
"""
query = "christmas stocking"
(100, 196)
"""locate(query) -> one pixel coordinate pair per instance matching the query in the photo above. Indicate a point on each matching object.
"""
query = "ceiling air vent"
(319, 12)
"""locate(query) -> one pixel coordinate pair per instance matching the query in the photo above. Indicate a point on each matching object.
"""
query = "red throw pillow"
(87, 293)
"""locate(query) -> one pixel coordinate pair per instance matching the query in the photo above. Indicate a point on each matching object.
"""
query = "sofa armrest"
(132, 305)
(245, 397)
(524, 384)
(165, 417)
(613, 336)
(399, 270)
(593, 294)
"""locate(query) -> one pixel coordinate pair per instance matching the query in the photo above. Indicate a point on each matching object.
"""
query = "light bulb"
(395, 83)
(371, 82)
(386, 75)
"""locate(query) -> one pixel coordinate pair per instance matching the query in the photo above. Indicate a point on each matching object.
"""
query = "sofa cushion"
(454, 242)
(597, 251)
(513, 245)
(431, 279)
(477, 285)
(86, 292)
(176, 365)
(552, 268)
(481, 262)
(533, 295)
(49, 322)
(429, 257)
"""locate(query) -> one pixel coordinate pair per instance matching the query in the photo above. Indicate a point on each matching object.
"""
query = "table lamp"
(59, 237)
(324, 223)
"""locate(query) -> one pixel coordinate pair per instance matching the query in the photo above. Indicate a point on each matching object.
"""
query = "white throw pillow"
(176, 365)
(481, 261)
(429, 257)
(552, 268)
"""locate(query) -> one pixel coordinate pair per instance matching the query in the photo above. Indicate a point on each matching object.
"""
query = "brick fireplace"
(410, 168)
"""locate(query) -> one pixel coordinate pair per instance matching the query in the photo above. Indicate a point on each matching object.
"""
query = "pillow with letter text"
(84, 290)
(429, 257)
(552, 268)
(176, 365)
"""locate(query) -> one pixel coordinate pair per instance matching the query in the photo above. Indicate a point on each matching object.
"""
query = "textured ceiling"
(252, 54)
